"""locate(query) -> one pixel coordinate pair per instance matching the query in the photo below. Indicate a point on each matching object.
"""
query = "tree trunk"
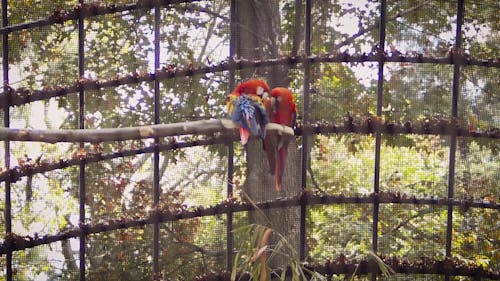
(259, 37)
(259, 186)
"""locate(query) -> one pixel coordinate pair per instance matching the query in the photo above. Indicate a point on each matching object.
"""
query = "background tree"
(198, 34)
(260, 36)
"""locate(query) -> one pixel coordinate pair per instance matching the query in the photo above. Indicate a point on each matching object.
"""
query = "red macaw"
(246, 107)
(281, 109)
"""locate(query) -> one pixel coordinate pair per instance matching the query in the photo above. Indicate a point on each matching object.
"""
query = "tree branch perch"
(201, 127)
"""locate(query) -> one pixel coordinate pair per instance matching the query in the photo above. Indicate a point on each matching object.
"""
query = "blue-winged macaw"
(246, 107)
(281, 109)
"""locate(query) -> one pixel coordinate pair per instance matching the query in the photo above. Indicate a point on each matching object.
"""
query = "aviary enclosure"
(119, 162)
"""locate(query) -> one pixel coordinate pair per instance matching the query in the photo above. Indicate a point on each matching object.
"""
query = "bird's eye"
(260, 91)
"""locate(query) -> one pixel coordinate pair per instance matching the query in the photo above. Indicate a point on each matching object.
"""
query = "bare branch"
(362, 30)
(201, 127)
(368, 125)
(191, 246)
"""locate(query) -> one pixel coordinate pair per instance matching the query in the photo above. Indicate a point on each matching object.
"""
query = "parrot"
(281, 109)
(245, 106)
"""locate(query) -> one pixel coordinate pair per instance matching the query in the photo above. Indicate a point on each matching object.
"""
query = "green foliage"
(254, 251)
(339, 230)
(197, 34)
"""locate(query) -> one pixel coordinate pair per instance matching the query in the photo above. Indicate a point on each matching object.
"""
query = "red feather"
(281, 109)
(254, 88)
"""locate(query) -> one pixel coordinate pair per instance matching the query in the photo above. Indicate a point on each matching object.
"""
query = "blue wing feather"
(250, 115)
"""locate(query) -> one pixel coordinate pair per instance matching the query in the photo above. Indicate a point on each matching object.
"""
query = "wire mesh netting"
(483, 242)
(393, 172)
(414, 225)
(408, 21)
(126, 258)
(419, 170)
(339, 230)
(342, 164)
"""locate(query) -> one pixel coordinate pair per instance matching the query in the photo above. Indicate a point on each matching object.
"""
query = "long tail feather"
(268, 147)
(280, 166)
(244, 135)
(277, 169)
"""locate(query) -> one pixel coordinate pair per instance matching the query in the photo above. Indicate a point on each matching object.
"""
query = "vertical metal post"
(305, 120)
(229, 225)
(156, 153)
(81, 125)
(453, 140)
(378, 136)
(6, 123)
(230, 147)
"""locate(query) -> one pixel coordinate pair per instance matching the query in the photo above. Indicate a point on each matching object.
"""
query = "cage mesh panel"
(24, 154)
(193, 98)
(480, 29)
(477, 236)
(344, 25)
(341, 229)
(41, 262)
(240, 221)
(414, 165)
(193, 176)
(479, 103)
(204, 25)
(411, 29)
(401, 227)
(247, 238)
(121, 187)
(342, 164)
(26, 11)
(45, 57)
(70, 267)
(126, 48)
(477, 173)
(192, 247)
(45, 204)
(416, 91)
(123, 254)
(290, 25)
(126, 106)
(256, 41)
(332, 101)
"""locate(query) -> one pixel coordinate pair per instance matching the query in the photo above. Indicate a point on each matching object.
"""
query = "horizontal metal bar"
(23, 95)
(16, 243)
(369, 125)
(361, 126)
(400, 265)
(16, 173)
(89, 10)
